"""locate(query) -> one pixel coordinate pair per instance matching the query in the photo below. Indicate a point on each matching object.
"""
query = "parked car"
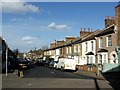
(23, 63)
(53, 64)
(42, 62)
(47, 62)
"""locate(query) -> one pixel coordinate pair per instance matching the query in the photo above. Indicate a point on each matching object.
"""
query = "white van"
(66, 64)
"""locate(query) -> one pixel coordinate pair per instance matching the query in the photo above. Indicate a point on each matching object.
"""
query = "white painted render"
(57, 52)
(76, 59)
(67, 50)
(50, 53)
(89, 49)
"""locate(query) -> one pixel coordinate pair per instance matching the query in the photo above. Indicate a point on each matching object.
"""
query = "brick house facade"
(104, 43)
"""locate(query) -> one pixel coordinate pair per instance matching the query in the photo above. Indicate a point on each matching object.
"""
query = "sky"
(30, 25)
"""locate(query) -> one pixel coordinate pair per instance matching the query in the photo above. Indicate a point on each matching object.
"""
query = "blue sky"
(35, 24)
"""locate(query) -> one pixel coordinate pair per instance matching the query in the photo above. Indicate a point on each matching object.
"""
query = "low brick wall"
(86, 68)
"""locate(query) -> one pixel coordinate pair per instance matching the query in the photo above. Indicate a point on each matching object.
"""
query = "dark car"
(52, 64)
(47, 62)
(23, 63)
(42, 62)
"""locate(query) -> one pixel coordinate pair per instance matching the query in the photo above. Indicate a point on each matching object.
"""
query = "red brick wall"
(86, 68)
(118, 23)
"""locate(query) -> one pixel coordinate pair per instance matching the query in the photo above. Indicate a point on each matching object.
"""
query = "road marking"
(29, 84)
(52, 72)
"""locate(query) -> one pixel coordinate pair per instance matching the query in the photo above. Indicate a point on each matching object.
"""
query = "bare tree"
(44, 47)
(16, 52)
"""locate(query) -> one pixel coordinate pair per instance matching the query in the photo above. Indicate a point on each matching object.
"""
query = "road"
(44, 77)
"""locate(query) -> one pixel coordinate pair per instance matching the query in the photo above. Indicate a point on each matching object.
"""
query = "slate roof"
(108, 30)
(87, 37)
(102, 50)
(90, 53)
(91, 36)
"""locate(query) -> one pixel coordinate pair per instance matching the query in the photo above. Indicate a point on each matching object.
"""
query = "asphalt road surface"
(46, 72)
(44, 77)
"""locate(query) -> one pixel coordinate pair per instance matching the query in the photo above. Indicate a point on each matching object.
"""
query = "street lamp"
(6, 59)
(55, 48)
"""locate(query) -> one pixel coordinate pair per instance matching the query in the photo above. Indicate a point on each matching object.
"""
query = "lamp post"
(55, 49)
(6, 59)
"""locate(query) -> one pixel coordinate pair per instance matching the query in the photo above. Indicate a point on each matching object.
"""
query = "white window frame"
(100, 44)
(104, 58)
(66, 49)
(86, 47)
(91, 60)
(70, 49)
(92, 45)
(75, 48)
(109, 41)
(79, 47)
(88, 60)
(100, 59)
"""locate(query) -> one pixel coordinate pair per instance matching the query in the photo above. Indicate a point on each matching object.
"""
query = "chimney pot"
(113, 18)
(107, 17)
(84, 30)
(91, 30)
(88, 29)
(80, 29)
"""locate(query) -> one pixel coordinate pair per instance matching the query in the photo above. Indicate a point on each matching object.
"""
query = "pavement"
(90, 74)
(113, 78)
(10, 75)
(0, 81)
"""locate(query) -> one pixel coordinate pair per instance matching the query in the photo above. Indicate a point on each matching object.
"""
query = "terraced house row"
(93, 50)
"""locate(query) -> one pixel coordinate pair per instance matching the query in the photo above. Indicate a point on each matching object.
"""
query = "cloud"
(17, 7)
(58, 26)
(28, 39)
(27, 19)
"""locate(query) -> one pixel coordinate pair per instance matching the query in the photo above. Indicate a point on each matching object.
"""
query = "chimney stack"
(109, 21)
(84, 32)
